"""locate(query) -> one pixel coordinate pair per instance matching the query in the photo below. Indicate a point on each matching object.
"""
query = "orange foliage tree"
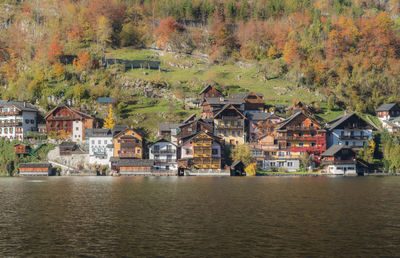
(84, 62)
(167, 28)
(55, 50)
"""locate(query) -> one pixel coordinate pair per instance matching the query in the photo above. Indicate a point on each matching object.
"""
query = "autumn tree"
(109, 121)
(84, 62)
(103, 33)
(55, 50)
(290, 52)
(243, 153)
(168, 27)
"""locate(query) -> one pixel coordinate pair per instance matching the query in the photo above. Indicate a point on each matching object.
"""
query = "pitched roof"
(223, 101)
(334, 149)
(341, 119)
(189, 137)
(191, 117)
(72, 109)
(118, 133)
(208, 86)
(67, 144)
(98, 132)
(105, 100)
(234, 164)
(168, 126)
(20, 105)
(386, 107)
(245, 94)
(258, 116)
(35, 165)
(289, 119)
(135, 163)
(229, 106)
(161, 140)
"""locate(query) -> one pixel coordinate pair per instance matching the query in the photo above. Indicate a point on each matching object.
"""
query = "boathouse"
(35, 169)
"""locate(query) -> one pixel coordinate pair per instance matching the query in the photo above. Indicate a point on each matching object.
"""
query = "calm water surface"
(188, 216)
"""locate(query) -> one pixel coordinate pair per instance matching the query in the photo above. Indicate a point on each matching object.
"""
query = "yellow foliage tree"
(109, 121)
(251, 169)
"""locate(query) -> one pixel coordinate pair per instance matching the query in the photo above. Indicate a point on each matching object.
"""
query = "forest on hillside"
(348, 51)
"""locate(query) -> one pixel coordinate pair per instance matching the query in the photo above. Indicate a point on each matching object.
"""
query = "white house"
(350, 130)
(164, 154)
(339, 160)
(17, 119)
(101, 147)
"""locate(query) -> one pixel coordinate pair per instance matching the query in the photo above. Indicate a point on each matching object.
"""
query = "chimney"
(221, 99)
(25, 104)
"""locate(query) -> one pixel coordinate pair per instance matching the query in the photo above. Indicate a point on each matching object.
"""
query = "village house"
(339, 160)
(168, 131)
(350, 130)
(201, 151)
(128, 144)
(134, 167)
(388, 111)
(17, 119)
(69, 120)
(192, 126)
(253, 102)
(164, 154)
(211, 106)
(299, 135)
(101, 148)
(35, 169)
(209, 92)
(67, 148)
(229, 124)
(261, 123)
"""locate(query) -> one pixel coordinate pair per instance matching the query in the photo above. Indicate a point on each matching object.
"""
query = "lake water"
(189, 216)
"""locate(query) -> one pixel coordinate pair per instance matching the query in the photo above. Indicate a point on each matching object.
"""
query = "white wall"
(99, 144)
(77, 131)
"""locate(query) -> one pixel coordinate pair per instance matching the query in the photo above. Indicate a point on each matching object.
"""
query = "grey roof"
(234, 164)
(258, 116)
(342, 118)
(67, 144)
(225, 107)
(191, 117)
(286, 121)
(386, 107)
(224, 101)
(162, 140)
(20, 105)
(334, 149)
(167, 126)
(105, 100)
(244, 95)
(35, 165)
(205, 88)
(135, 163)
(97, 132)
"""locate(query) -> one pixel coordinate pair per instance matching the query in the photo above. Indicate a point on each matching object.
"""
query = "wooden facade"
(209, 92)
(301, 134)
(229, 124)
(21, 149)
(35, 169)
(128, 144)
(62, 118)
(194, 127)
(254, 102)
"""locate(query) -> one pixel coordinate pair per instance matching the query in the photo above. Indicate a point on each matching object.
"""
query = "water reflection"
(171, 216)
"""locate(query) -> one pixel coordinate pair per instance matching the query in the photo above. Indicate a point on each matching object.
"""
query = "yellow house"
(128, 144)
(229, 124)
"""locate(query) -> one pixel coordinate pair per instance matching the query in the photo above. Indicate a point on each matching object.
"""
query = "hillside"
(333, 55)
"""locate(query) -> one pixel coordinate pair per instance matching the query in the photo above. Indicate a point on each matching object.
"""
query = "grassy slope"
(276, 91)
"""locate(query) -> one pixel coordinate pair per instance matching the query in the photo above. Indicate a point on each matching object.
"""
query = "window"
(189, 129)
(77, 129)
(214, 151)
(188, 151)
(92, 141)
(239, 123)
(99, 141)
(232, 123)
(313, 144)
(289, 144)
(301, 144)
(32, 121)
(239, 133)
(26, 121)
(233, 133)
(272, 164)
(290, 164)
(105, 141)
(156, 147)
(138, 151)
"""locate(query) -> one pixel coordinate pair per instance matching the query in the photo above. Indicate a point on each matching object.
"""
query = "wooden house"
(229, 124)
(128, 144)
(211, 106)
(192, 127)
(340, 160)
(132, 167)
(35, 169)
(238, 168)
(69, 120)
(201, 151)
(388, 111)
(252, 101)
(21, 149)
(209, 92)
(66, 148)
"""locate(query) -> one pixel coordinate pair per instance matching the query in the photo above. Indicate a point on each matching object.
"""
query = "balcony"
(165, 160)
(8, 124)
(338, 162)
(163, 151)
(10, 113)
(128, 155)
(100, 153)
(354, 137)
(229, 126)
(302, 128)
